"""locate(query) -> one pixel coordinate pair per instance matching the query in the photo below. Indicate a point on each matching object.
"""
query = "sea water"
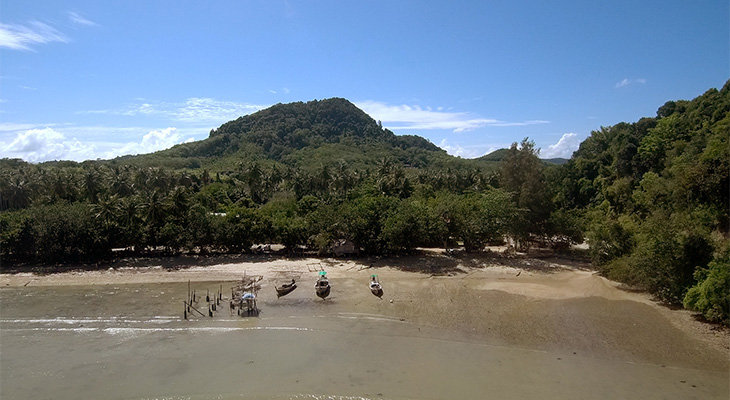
(133, 342)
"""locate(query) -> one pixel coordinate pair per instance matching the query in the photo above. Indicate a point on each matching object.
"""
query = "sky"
(98, 79)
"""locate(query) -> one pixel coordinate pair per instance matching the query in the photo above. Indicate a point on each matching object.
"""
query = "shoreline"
(537, 303)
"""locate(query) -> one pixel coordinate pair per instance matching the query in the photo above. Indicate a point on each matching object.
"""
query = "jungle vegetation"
(651, 198)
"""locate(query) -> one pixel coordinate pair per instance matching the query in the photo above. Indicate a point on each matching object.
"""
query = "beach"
(528, 327)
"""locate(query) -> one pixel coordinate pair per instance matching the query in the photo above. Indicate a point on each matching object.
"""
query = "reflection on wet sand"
(127, 341)
(479, 333)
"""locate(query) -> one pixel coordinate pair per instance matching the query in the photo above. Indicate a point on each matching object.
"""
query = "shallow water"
(131, 342)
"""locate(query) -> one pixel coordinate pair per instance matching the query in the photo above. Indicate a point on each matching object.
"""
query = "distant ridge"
(498, 155)
(557, 161)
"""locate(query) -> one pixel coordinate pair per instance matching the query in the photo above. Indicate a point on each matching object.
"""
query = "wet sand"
(513, 328)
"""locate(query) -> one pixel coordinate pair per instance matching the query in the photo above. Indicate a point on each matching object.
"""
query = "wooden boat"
(375, 287)
(285, 289)
(322, 287)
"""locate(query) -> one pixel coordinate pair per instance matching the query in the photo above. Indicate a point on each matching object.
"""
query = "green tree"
(521, 173)
(711, 295)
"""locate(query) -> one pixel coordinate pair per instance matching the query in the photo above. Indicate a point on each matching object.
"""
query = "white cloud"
(154, 140)
(11, 126)
(46, 144)
(471, 151)
(565, 147)
(34, 140)
(626, 82)
(210, 110)
(405, 117)
(78, 19)
(457, 150)
(524, 123)
(37, 145)
(22, 37)
(416, 118)
(192, 110)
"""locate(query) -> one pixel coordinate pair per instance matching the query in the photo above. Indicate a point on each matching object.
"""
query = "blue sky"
(97, 79)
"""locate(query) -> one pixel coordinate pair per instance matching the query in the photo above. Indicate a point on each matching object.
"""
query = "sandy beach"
(546, 304)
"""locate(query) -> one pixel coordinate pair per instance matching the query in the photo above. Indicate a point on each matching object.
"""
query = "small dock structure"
(244, 295)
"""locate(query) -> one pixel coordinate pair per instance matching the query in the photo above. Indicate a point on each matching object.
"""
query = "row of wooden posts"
(192, 298)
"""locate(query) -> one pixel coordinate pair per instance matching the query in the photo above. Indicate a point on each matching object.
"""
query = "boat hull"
(283, 291)
(323, 292)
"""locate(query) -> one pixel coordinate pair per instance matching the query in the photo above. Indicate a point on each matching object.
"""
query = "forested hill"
(298, 133)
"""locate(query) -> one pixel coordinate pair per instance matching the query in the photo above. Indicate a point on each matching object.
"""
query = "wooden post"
(194, 309)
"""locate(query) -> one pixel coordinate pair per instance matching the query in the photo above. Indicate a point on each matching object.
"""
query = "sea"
(133, 341)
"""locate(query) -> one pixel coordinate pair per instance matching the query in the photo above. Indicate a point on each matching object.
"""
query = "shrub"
(711, 294)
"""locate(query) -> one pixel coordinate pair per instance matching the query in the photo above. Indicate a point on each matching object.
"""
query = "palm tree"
(16, 191)
(129, 211)
(107, 209)
(344, 178)
(60, 184)
(154, 208)
(141, 179)
(253, 178)
(92, 183)
(129, 220)
(323, 181)
(120, 181)
(179, 202)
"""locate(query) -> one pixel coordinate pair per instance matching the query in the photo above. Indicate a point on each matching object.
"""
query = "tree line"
(81, 212)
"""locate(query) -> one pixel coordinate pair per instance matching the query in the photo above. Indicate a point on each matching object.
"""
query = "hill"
(496, 155)
(301, 134)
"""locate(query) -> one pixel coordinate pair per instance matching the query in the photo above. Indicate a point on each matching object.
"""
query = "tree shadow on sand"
(441, 263)
(433, 262)
(169, 263)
